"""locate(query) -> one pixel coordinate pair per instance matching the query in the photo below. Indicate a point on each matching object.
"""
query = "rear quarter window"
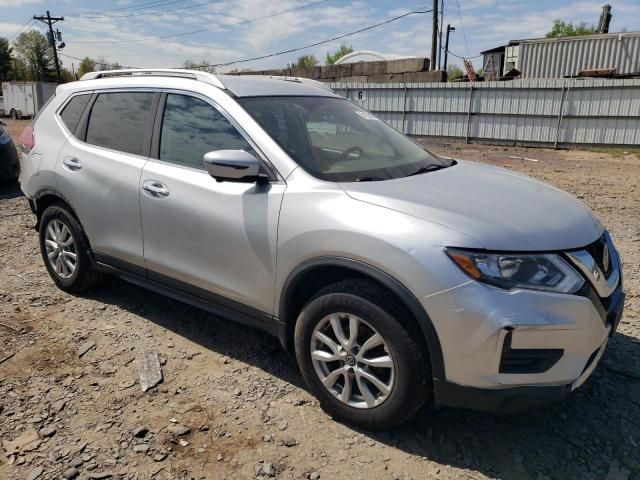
(72, 112)
(120, 121)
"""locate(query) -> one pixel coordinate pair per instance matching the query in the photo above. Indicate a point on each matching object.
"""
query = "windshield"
(335, 140)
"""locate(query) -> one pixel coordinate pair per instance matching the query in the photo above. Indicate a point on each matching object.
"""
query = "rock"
(159, 457)
(85, 347)
(47, 432)
(220, 457)
(142, 448)
(314, 476)
(616, 472)
(100, 475)
(23, 442)
(35, 473)
(183, 443)
(56, 407)
(71, 473)
(140, 432)
(127, 383)
(289, 441)
(237, 392)
(269, 469)
(149, 369)
(76, 462)
(179, 430)
(283, 425)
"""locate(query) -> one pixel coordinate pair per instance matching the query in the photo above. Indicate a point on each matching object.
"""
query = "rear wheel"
(64, 249)
(357, 357)
(14, 114)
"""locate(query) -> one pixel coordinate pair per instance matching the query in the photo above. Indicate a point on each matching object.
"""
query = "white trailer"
(25, 99)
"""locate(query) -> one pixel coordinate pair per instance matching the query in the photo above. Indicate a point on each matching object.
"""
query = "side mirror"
(232, 166)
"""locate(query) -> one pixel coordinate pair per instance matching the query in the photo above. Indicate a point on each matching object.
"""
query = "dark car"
(9, 166)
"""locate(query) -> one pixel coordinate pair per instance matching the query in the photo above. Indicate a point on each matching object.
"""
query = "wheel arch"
(46, 197)
(311, 275)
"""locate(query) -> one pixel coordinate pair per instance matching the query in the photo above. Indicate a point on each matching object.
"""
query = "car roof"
(238, 85)
(260, 86)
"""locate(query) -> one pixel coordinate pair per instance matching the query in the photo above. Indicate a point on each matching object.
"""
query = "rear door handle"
(155, 189)
(72, 163)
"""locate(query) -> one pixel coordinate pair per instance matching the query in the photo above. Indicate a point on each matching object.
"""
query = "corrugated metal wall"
(559, 58)
(535, 111)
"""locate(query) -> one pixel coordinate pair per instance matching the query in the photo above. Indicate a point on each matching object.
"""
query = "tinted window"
(120, 121)
(191, 128)
(73, 111)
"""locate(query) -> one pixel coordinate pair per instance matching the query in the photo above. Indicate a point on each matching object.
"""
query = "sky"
(231, 30)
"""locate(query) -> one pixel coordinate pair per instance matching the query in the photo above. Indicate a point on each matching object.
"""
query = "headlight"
(539, 272)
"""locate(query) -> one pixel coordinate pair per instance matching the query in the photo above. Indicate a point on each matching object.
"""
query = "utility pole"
(434, 35)
(440, 34)
(446, 45)
(49, 20)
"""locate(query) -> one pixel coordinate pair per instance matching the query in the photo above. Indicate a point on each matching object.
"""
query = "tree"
(454, 72)
(203, 66)
(306, 61)
(568, 29)
(33, 51)
(87, 64)
(341, 52)
(5, 59)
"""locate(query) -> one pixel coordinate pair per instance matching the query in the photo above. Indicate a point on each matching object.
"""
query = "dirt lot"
(240, 398)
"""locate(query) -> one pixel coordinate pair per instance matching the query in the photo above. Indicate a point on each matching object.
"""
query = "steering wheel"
(351, 150)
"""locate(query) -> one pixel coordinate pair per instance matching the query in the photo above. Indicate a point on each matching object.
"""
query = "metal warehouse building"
(566, 57)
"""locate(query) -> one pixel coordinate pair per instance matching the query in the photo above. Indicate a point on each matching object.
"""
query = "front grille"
(599, 250)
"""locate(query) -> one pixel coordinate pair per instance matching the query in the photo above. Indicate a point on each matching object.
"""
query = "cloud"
(18, 3)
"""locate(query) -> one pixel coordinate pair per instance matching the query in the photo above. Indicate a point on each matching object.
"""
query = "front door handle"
(72, 163)
(155, 189)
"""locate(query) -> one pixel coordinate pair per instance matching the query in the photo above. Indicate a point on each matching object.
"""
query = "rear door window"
(121, 121)
(191, 127)
(73, 111)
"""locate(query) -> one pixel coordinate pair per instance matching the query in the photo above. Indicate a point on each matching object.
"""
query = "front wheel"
(357, 357)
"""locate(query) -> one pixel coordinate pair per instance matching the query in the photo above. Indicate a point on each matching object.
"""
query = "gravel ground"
(232, 404)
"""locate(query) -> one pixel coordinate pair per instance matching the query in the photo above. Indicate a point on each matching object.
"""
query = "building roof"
(574, 38)
(368, 56)
(501, 48)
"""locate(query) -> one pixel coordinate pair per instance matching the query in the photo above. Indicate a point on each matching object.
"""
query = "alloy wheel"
(352, 360)
(60, 249)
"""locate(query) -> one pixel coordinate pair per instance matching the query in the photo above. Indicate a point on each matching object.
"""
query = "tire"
(375, 311)
(84, 276)
(14, 114)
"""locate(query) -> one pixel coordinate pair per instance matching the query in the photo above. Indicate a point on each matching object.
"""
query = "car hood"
(501, 209)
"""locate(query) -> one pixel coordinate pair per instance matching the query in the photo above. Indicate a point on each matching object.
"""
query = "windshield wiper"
(369, 179)
(432, 167)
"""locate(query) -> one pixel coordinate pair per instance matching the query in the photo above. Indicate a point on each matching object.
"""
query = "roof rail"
(306, 81)
(157, 72)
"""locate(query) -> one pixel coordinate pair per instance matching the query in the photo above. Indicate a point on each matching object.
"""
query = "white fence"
(544, 112)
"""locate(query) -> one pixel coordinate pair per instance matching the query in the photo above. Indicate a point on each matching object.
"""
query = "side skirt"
(186, 293)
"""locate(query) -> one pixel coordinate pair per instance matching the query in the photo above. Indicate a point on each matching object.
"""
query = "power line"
(106, 64)
(291, 50)
(24, 27)
(141, 6)
(202, 30)
(461, 57)
(464, 35)
(153, 12)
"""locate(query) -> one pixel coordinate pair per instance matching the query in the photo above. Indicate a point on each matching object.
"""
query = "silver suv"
(397, 277)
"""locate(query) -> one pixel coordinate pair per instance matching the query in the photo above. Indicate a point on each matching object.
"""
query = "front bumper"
(478, 325)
